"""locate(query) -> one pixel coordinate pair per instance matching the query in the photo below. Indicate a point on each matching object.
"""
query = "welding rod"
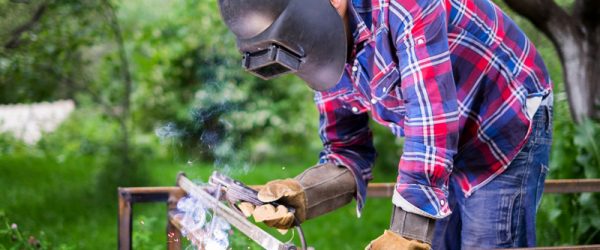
(255, 233)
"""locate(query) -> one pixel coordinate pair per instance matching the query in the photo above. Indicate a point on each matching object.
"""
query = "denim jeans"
(502, 213)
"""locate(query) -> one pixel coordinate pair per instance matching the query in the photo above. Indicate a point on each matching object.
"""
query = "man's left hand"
(392, 241)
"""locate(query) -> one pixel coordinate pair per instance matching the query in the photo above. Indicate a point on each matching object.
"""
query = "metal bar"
(173, 232)
(238, 221)
(125, 213)
(159, 194)
(129, 196)
(150, 194)
(150, 190)
(572, 186)
(385, 190)
(587, 247)
(380, 190)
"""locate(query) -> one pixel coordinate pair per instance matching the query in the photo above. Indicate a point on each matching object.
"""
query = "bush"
(572, 219)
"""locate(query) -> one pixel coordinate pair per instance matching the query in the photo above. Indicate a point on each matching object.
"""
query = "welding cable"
(301, 234)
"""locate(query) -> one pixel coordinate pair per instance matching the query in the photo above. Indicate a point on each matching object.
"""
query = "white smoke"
(201, 227)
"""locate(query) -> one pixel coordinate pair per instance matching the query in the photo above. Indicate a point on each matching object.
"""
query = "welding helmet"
(275, 37)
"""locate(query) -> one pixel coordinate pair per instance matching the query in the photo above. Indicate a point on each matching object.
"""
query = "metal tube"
(572, 186)
(173, 233)
(587, 247)
(125, 213)
(129, 196)
(385, 190)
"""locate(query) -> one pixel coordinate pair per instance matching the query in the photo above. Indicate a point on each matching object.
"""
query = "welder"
(458, 79)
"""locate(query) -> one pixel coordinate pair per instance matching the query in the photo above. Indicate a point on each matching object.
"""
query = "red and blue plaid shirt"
(452, 77)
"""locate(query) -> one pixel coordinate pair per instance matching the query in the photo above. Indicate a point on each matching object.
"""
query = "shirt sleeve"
(345, 133)
(418, 29)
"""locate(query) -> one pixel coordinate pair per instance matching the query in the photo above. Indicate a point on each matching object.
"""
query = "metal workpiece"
(171, 195)
(132, 195)
(262, 238)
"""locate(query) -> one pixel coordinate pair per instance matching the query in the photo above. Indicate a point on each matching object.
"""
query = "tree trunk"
(582, 76)
(124, 117)
(16, 34)
(576, 37)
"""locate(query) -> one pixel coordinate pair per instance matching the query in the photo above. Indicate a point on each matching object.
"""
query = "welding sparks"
(203, 229)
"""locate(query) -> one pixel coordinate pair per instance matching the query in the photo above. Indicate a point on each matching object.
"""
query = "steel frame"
(131, 195)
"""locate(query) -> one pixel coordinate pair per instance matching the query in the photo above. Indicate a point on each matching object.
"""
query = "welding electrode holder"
(233, 191)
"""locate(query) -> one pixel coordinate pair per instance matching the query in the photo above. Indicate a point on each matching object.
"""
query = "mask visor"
(271, 62)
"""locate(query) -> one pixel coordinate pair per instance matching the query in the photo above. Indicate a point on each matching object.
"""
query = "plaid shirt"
(452, 77)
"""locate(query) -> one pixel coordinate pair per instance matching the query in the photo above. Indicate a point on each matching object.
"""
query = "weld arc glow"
(202, 228)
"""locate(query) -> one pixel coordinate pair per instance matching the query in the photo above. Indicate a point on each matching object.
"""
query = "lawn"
(60, 202)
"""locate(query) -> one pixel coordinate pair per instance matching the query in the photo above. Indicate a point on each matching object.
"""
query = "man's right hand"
(318, 190)
(289, 192)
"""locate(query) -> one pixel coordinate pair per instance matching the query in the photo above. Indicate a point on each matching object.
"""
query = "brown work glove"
(318, 190)
(408, 231)
(288, 192)
(392, 241)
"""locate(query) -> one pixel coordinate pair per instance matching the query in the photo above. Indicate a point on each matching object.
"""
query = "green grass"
(56, 198)
(60, 200)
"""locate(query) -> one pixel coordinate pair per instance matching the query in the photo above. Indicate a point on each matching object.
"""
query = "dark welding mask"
(276, 37)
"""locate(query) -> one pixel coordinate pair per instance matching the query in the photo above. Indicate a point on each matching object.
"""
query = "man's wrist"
(412, 226)
(326, 187)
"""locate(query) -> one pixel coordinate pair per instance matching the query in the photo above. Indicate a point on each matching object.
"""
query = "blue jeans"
(502, 213)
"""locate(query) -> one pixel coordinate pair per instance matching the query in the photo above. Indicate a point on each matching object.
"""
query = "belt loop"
(548, 117)
(547, 103)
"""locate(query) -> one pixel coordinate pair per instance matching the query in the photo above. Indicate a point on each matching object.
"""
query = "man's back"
(493, 66)
(496, 69)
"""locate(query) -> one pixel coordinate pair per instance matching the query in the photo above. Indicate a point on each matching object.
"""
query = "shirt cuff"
(422, 200)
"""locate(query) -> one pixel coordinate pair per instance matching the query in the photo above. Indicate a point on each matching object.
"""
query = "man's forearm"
(327, 187)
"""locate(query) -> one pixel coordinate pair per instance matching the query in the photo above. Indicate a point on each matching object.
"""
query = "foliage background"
(190, 107)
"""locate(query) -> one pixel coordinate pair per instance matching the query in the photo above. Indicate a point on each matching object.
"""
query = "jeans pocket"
(540, 184)
(507, 205)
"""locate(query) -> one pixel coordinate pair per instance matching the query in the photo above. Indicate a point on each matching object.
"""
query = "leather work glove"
(318, 190)
(289, 192)
(392, 241)
(407, 231)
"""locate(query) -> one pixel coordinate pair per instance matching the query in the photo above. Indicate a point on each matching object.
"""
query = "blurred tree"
(143, 65)
(576, 36)
(123, 117)
(54, 49)
(15, 35)
(41, 56)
